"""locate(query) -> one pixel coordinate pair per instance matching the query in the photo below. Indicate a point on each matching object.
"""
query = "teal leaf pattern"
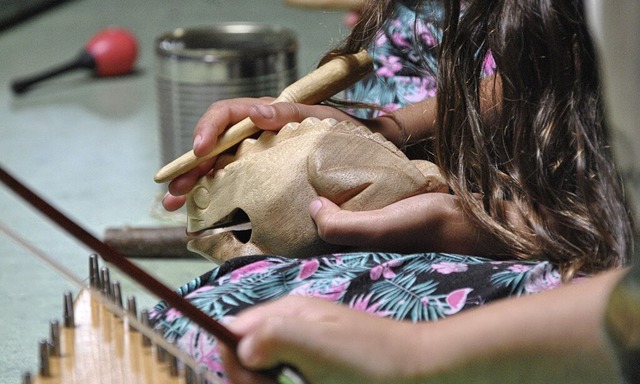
(412, 287)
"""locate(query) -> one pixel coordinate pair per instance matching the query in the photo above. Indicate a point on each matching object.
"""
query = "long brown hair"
(544, 151)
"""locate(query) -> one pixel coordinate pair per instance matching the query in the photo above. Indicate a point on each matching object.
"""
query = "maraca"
(110, 52)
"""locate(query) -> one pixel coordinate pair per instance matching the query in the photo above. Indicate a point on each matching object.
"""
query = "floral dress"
(410, 287)
(404, 60)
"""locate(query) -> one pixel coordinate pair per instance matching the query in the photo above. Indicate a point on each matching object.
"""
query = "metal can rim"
(181, 43)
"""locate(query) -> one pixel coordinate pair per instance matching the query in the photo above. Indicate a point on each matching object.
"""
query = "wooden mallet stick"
(319, 85)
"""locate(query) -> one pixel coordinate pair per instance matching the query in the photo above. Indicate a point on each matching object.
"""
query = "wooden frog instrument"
(270, 181)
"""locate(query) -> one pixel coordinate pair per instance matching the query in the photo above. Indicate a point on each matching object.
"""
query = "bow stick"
(112, 256)
(327, 80)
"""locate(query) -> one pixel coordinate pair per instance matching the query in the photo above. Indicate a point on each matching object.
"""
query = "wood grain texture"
(102, 349)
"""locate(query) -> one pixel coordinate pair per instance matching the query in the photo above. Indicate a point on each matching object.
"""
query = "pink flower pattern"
(457, 299)
(363, 303)
(334, 291)
(384, 270)
(446, 267)
(390, 65)
(308, 268)
(255, 268)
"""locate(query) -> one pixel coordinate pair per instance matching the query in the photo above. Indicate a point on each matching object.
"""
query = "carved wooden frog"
(270, 181)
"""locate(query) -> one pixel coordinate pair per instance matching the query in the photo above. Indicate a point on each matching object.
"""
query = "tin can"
(198, 66)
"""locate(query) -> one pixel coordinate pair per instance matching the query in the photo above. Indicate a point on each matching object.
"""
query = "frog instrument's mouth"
(237, 223)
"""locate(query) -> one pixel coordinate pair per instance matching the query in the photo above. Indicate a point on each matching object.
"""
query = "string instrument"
(100, 340)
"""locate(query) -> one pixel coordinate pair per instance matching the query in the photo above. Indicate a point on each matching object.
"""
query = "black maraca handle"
(84, 60)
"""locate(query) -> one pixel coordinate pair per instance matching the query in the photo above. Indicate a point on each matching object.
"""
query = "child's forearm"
(408, 125)
(555, 336)
(417, 122)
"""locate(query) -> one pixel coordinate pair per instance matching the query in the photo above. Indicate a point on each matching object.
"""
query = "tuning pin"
(94, 272)
(117, 294)
(144, 318)
(55, 338)
(132, 309)
(106, 282)
(174, 368)
(192, 376)
(44, 358)
(68, 316)
(161, 353)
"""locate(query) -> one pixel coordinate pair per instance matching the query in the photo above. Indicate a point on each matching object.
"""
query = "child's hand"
(223, 114)
(430, 222)
(329, 342)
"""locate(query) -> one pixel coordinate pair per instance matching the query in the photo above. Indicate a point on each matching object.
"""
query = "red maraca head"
(114, 50)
